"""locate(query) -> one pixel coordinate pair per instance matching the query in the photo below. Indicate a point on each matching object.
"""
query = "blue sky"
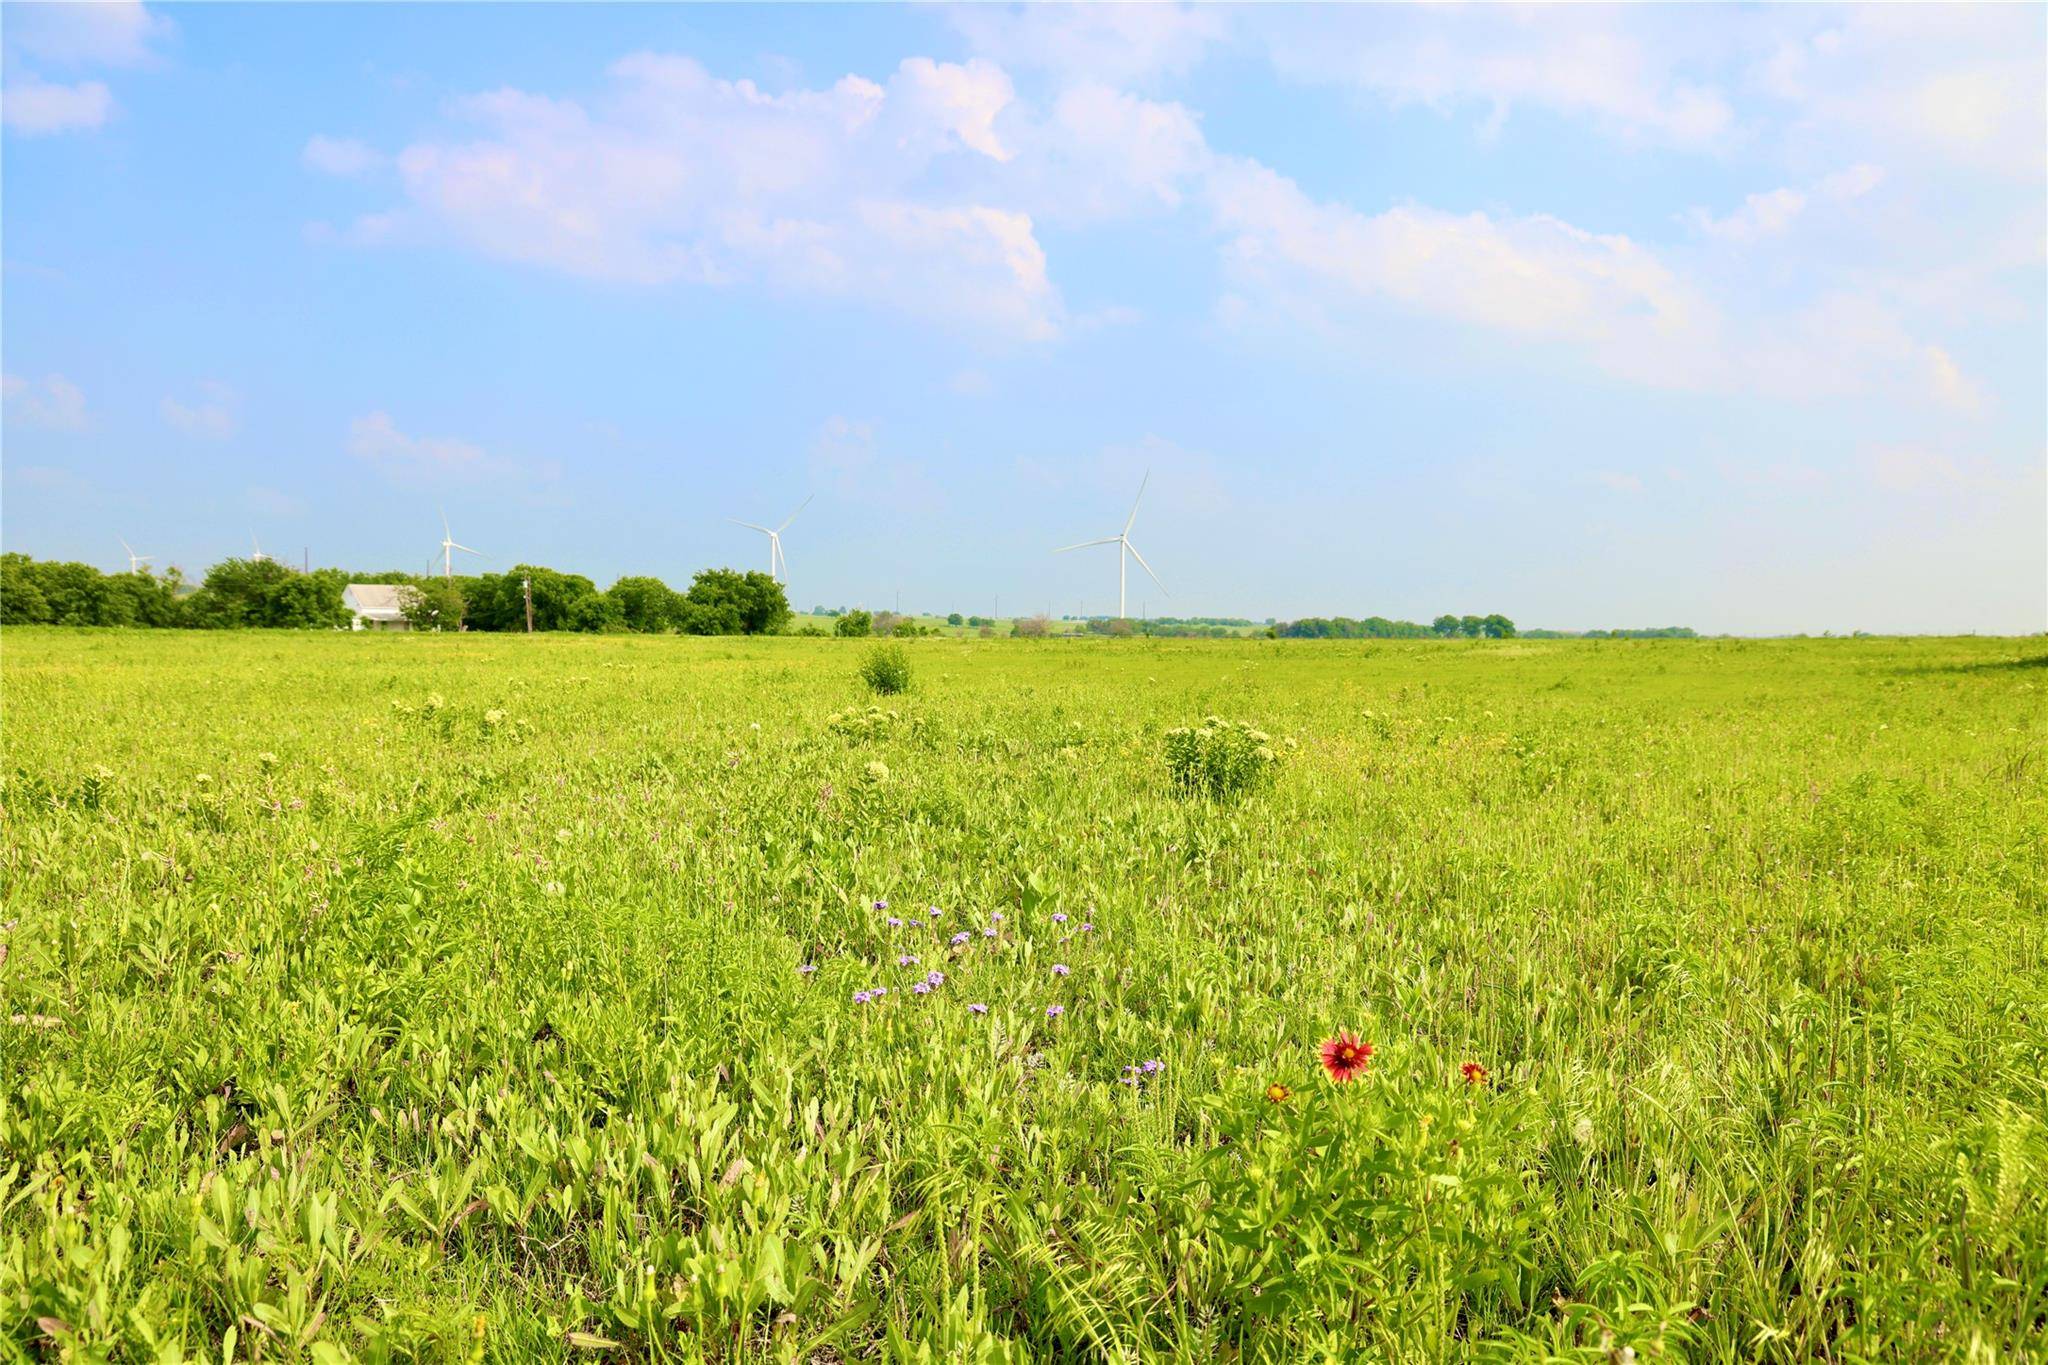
(1711, 316)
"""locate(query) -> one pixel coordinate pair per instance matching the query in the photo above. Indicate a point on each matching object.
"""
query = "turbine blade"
(794, 515)
(1106, 540)
(1146, 567)
(1135, 501)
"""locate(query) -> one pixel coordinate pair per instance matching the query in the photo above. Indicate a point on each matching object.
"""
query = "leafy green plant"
(1220, 759)
(886, 670)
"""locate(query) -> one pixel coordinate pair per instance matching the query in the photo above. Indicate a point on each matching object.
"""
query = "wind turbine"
(778, 567)
(135, 561)
(449, 547)
(1122, 540)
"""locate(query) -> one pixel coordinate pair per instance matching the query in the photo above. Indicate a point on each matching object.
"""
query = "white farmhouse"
(374, 606)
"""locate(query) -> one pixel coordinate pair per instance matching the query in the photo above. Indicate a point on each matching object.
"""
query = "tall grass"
(446, 998)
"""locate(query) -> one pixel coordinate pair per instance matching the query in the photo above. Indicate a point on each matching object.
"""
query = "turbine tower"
(449, 547)
(1122, 540)
(778, 567)
(135, 561)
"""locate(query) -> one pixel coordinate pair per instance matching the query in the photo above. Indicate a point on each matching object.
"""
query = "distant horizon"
(1730, 316)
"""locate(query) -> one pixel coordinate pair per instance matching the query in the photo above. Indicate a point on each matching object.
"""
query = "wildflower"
(1060, 969)
(1059, 917)
(895, 923)
(935, 978)
(960, 938)
(1345, 1056)
(808, 968)
(1474, 1073)
(907, 960)
(1278, 1093)
(977, 1009)
(1055, 1011)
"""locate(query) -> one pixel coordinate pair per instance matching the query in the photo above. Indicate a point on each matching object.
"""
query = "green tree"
(497, 601)
(647, 605)
(22, 602)
(264, 594)
(728, 602)
(431, 604)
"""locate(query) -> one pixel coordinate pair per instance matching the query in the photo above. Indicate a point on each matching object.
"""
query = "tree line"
(263, 593)
(1493, 627)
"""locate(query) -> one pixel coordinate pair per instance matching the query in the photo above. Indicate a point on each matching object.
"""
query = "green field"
(441, 998)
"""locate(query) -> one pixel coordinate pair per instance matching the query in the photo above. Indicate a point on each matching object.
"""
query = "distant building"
(374, 606)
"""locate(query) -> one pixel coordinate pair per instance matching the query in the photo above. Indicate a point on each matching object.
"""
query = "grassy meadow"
(468, 998)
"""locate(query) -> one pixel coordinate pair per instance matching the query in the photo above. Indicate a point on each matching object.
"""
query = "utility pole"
(526, 585)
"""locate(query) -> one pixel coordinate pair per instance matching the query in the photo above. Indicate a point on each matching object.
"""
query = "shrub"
(1219, 758)
(886, 670)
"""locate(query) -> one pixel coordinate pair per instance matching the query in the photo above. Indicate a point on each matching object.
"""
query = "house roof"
(378, 600)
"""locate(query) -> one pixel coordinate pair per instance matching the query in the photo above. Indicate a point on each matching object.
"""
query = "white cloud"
(270, 502)
(340, 156)
(1115, 43)
(1773, 212)
(1948, 86)
(1534, 277)
(52, 402)
(32, 106)
(1621, 71)
(214, 414)
(1948, 382)
(424, 460)
(103, 33)
(676, 176)
(845, 458)
(1905, 469)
